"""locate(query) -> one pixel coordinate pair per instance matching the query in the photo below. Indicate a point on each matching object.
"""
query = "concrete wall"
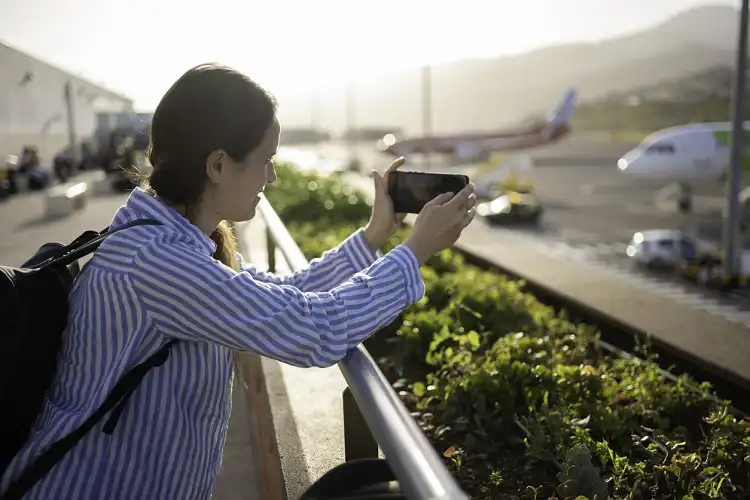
(34, 112)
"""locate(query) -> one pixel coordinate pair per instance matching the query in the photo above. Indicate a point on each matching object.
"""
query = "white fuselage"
(683, 154)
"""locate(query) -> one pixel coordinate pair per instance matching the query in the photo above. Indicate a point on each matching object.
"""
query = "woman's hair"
(210, 107)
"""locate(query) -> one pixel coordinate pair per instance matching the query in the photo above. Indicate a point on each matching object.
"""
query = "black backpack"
(33, 316)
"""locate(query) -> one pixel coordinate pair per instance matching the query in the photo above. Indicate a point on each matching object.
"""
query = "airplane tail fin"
(561, 116)
(564, 111)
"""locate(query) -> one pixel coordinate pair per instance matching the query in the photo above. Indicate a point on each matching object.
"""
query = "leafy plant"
(580, 478)
(520, 401)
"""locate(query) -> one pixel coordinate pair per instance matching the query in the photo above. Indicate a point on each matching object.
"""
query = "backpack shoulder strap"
(86, 247)
(115, 402)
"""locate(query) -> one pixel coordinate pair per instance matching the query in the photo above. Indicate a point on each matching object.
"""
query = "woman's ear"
(215, 163)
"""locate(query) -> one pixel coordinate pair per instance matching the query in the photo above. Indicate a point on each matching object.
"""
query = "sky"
(140, 47)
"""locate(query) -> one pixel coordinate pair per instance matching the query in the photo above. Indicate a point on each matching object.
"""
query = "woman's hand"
(383, 221)
(441, 222)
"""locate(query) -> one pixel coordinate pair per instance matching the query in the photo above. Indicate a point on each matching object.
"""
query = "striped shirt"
(147, 285)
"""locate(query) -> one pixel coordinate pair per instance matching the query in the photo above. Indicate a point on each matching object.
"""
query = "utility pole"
(70, 109)
(427, 111)
(314, 110)
(732, 239)
(315, 115)
(350, 118)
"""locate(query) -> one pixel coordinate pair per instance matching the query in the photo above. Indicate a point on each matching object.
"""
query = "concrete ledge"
(307, 409)
(66, 198)
(238, 477)
(103, 182)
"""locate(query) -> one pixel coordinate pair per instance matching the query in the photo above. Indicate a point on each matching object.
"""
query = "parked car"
(25, 172)
(511, 207)
(666, 249)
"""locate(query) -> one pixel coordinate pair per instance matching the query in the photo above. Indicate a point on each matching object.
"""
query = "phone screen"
(410, 191)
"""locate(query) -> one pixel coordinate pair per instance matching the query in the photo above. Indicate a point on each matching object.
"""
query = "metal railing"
(373, 414)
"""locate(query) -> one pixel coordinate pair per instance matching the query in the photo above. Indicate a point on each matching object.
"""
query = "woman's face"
(239, 184)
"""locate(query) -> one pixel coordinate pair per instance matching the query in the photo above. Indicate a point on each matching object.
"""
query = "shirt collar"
(143, 205)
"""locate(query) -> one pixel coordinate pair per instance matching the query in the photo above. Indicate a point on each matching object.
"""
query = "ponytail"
(226, 245)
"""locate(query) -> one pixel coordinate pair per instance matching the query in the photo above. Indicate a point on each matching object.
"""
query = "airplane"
(479, 147)
(685, 154)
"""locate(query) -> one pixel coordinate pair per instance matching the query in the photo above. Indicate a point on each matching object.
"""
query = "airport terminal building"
(44, 106)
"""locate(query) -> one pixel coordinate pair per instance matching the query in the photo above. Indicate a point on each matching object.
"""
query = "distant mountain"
(482, 94)
(714, 83)
(698, 97)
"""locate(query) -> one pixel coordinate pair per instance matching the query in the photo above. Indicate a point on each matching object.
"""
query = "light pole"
(315, 117)
(427, 111)
(350, 117)
(732, 240)
(314, 110)
(70, 109)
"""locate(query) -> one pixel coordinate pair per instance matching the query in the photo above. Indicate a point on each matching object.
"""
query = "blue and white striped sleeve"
(192, 296)
(327, 271)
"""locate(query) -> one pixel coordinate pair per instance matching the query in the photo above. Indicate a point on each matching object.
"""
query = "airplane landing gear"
(684, 198)
(483, 156)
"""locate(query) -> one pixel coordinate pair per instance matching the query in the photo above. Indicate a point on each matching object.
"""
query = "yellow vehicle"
(511, 207)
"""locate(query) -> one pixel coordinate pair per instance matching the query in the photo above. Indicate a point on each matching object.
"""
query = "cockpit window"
(660, 148)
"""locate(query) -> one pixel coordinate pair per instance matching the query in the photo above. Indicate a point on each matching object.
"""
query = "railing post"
(358, 439)
(271, 249)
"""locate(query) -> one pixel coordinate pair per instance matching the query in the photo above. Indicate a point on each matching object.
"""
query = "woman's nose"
(271, 174)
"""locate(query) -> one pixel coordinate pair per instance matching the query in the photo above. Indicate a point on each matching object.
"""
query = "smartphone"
(410, 191)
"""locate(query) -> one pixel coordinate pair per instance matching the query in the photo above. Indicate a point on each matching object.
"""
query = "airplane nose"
(386, 148)
(389, 150)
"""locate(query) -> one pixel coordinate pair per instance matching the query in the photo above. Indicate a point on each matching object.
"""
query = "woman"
(212, 141)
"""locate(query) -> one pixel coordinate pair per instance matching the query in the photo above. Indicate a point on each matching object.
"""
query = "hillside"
(713, 83)
(702, 96)
(483, 94)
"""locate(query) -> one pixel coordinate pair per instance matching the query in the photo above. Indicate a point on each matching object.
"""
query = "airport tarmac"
(587, 204)
(591, 212)
(598, 204)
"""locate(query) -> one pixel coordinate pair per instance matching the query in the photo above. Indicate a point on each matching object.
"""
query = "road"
(24, 226)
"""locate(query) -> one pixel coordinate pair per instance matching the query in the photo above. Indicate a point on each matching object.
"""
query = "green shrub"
(484, 359)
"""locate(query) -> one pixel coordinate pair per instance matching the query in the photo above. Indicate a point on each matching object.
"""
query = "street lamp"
(732, 219)
(70, 109)
(315, 127)
(427, 111)
(350, 105)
